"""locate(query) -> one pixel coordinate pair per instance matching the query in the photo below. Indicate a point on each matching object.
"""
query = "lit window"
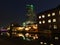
(51, 44)
(55, 27)
(45, 43)
(39, 22)
(41, 42)
(49, 21)
(56, 38)
(49, 15)
(59, 12)
(43, 21)
(43, 16)
(54, 20)
(53, 14)
(39, 17)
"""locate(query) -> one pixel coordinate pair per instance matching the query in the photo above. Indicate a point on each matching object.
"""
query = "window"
(54, 20)
(43, 16)
(59, 12)
(51, 44)
(49, 15)
(41, 42)
(55, 27)
(45, 43)
(39, 17)
(49, 21)
(39, 22)
(56, 38)
(53, 14)
(43, 21)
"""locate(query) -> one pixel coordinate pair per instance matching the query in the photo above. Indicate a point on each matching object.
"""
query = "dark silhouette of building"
(49, 20)
(12, 25)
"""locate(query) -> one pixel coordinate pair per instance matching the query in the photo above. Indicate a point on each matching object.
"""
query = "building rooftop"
(58, 7)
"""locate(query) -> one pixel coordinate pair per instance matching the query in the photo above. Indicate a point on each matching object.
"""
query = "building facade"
(30, 15)
(49, 20)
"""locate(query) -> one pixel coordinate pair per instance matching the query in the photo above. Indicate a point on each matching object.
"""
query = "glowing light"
(49, 15)
(1, 33)
(56, 38)
(28, 22)
(53, 14)
(51, 44)
(8, 34)
(35, 34)
(27, 34)
(54, 20)
(41, 42)
(27, 29)
(8, 28)
(24, 24)
(59, 12)
(34, 37)
(12, 25)
(20, 35)
(45, 43)
(43, 16)
(39, 22)
(49, 21)
(13, 32)
(39, 17)
(31, 5)
(35, 26)
(43, 21)
(55, 27)
(28, 39)
(20, 28)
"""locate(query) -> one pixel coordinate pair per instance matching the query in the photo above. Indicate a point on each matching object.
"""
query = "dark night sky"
(14, 10)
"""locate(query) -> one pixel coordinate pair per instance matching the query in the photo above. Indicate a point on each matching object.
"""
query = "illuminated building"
(49, 20)
(30, 24)
(15, 30)
(30, 15)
